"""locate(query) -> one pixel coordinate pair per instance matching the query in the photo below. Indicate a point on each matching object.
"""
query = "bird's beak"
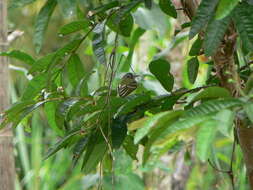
(136, 76)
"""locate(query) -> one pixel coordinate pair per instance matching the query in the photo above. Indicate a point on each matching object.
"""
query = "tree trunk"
(7, 172)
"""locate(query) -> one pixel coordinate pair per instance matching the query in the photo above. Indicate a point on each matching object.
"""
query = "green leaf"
(168, 8)
(70, 47)
(148, 3)
(131, 104)
(212, 92)
(19, 111)
(105, 7)
(42, 63)
(50, 109)
(203, 15)
(134, 40)
(243, 19)
(62, 111)
(205, 137)
(82, 86)
(149, 124)
(19, 55)
(96, 148)
(41, 23)
(225, 120)
(79, 149)
(35, 86)
(75, 70)
(213, 106)
(61, 144)
(73, 27)
(98, 43)
(248, 108)
(118, 131)
(214, 34)
(126, 25)
(192, 69)
(130, 148)
(225, 7)
(161, 69)
(196, 47)
(180, 126)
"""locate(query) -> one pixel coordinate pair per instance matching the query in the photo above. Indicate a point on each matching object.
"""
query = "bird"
(127, 84)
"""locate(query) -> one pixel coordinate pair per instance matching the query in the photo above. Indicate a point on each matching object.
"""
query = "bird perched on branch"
(127, 85)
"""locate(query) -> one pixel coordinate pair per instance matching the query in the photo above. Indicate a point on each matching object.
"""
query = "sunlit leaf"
(35, 86)
(19, 55)
(212, 92)
(205, 137)
(225, 7)
(73, 27)
(213, 106)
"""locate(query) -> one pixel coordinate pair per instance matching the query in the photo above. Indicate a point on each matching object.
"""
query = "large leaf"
(42, 63)
(214, 34)
(243, 19)
(62, 111)
(35, 86)
(119, 131)
(180, 126)
(212, 92)
(225, 7)
(75, 69)
(213, 106)
(50, 109)
(41, 23)
(134, 40)
(19, 111)
(105, 7)
(98, 43)
(168, 8)
(161, 69)
(95, 151)
(204, 140)
(73, 27)
(225, 120)
(79, 149)
(130, 148)
(150, 123)
(131, 104)
(192, 69)
(19, 55)
(203, 15)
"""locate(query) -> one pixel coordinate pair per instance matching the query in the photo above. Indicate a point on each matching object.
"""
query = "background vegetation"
(176, 131)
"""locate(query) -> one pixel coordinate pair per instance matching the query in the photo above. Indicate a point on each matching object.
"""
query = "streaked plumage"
(127, 85)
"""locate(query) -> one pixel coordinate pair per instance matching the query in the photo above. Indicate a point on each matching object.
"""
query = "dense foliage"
(102, 129)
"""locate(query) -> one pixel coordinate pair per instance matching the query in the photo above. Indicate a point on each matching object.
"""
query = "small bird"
(127, 85)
